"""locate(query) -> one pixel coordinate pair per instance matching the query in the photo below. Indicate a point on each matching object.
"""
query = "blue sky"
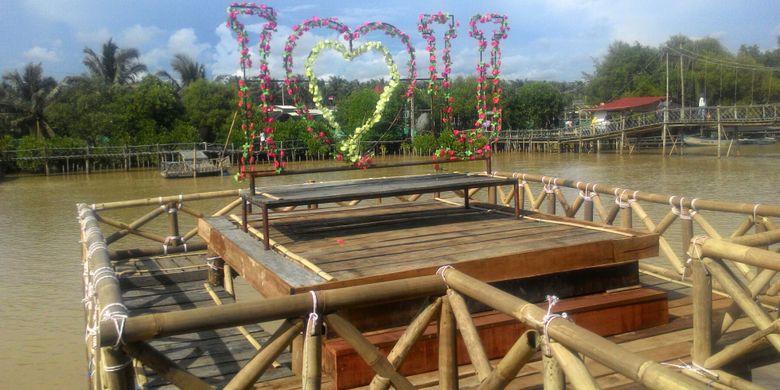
(552, 40)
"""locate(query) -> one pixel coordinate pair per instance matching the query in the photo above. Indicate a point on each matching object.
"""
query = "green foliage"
(31, 146)
(425, 143)
(113, 65)
(210, 107)
(538, 105)
(25, 98)
(153, 100)
(626, 70)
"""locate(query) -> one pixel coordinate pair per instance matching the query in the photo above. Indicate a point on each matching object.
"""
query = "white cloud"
(40, 54)
(185, 41)
(93, 38)
(139, 35)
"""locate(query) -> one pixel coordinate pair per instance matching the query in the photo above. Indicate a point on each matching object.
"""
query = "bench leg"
(466, 198)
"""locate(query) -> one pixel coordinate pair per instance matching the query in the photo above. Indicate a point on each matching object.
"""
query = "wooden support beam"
(404, 344)
(164, 367)
(265, 356)
(574, 368)
(370, 354)
(506, 370)
(448, 350)
(470, 336)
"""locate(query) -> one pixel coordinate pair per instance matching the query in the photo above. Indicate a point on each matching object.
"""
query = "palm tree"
(114, 65)
(25, 98)
(188, 69)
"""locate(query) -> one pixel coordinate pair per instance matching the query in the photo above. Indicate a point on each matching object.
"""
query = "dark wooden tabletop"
(339, 191)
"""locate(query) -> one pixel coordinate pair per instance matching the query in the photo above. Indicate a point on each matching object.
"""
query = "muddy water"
(41, 318)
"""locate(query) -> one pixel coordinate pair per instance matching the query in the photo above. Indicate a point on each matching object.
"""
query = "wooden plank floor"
(408, 239)
(171, 283)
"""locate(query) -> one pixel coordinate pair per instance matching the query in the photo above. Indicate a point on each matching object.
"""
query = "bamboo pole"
(147, 326)
(761, 258)
(574, 368)
(164, 199)
(741, 297)
(448, 348)
(506, 370)
(763, 239)
(539, 200)
(588, 211)
(575, 207)
(164, 367)
(404, 344)
(710, 231)
(108, 306)
(562, 200)
(264, 357)
(553, 374)
(312, 354)
(633, 366)
(550, 196)
(124, 254)
(742, 347)
(755, 287)
(600, 208)
(626, 217)
(743, 228)
(702, 312)
(370, 354)
(663, 244)
(129, 228)
(612, 214)
(666, 221)
(470, 335)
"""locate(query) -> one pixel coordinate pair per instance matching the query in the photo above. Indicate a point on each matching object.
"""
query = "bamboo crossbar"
(161, 200)
(148, 326)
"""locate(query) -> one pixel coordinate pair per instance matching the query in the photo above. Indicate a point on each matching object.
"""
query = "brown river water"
(41, 317)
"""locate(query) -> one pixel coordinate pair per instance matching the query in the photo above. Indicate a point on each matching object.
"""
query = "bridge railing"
(728, 115)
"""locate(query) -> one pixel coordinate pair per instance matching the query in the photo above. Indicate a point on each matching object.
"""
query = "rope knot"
(552, 300)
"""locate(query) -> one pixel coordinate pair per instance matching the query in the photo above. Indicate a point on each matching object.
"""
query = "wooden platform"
(364, 245)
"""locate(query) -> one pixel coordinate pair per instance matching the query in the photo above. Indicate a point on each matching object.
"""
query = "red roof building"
(638, 103)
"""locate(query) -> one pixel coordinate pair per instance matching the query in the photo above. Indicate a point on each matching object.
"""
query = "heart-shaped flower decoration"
(349, 146)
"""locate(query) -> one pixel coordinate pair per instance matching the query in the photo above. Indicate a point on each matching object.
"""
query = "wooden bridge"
(168, 314)
(624, 132)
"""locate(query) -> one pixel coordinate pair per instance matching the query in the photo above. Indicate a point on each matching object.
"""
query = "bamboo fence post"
(587, 212)
(312, 354)
(633, 366)
(574, 368)
(227, 282)
(405, 343)
(367, 351)
(448, 348)
(741, 347)
(164, 367)
(755, 287)
(702, 312)
(741, 297)
(506, 370)
(470, 335)
(265, 356)
(550, 196)
(686, 230)
(553, 375)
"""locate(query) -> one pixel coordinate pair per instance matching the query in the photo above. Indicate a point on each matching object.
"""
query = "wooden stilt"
(702, 314)
(312, 355)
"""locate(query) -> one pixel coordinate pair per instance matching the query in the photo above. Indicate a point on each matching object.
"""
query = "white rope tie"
(679, 211)
(619, 199)
(118, 367)
(119, 319)
(551, 185)
(313, 317)
(171, 240)
(712, 376)
(552, 300)
(94, 247)
(755, 209)
(443, 269)
(585, 195)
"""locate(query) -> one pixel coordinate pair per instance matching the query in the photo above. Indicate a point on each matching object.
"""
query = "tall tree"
(114, 65)
(25, 98)
(188, 70)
